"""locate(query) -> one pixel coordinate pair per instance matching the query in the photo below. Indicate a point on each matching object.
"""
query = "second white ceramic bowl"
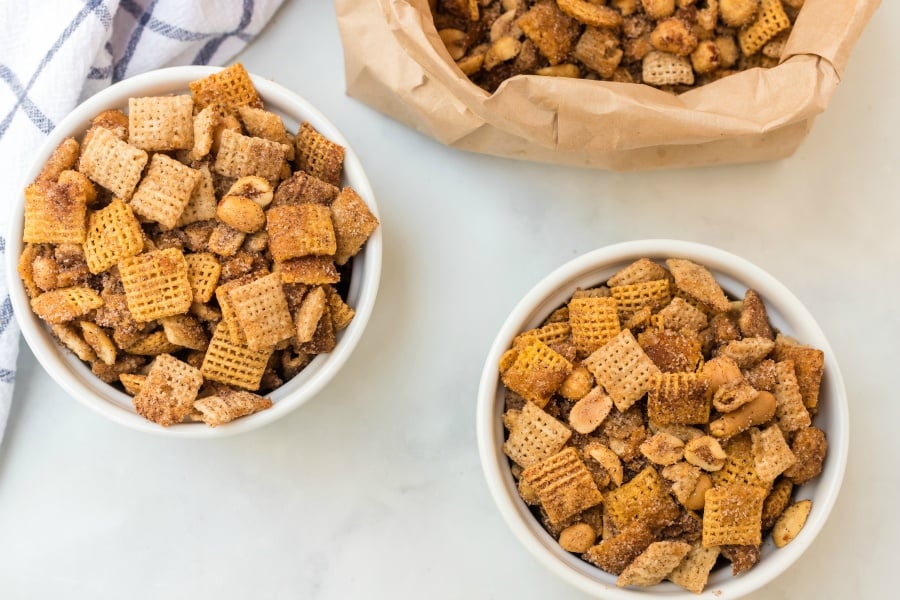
(735, 275)
(76, 378)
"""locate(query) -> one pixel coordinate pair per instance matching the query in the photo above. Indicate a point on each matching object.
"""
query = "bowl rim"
(489, 431)
(59, 362)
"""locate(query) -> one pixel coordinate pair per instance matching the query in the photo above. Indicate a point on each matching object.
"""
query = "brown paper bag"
(396, 63)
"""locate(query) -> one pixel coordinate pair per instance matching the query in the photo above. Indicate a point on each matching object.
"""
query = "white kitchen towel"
(55, 53)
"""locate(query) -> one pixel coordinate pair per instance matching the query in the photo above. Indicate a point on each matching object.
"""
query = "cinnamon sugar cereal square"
(161, 123)
(167, 395)
(623, 369)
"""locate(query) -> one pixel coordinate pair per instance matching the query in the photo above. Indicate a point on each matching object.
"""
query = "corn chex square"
(324, 339)
(693, 572)
(319, 156)
(535, 436)
(341, 312)
(54, 214)
(112, 163)
(770, 21)
(662, 68)
(653, 564)
(228, 405)
(789, 408)
(640, 271)
(241, 155)
(267, 125)
(740, 465)
(679, 399)
(65, 304)
(536, 372)
(623, 369)
(732, 515)
(300, 230)
(204, 270)
(353, 224)
(747, 352)
(234, 364)
(114, 233)
(161, 123)
(205, 123)
(809, 364)
(309, 270)
(262, 311)
(594, 321)
(698, 283)
(644, 498)
(230, 87)
(680, 314)
(167, 395)
(671, 351)
(615, 552)
(229, 317)
(302, 188)
(185, 331)
(165, 190)
(772, 455)
(551, 333)
(201, 206)
(156, 284)
(564, 485)
(153, 344)
(635, 296)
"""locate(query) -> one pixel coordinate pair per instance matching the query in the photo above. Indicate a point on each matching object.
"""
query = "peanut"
(505, 25)
(255, 188)
(658, 9)
(241, 213)
(728, 51)
(673, 36)
(577, 538)
(684, 478)
(697, 499)
(455, 41)
(44, 272)
(591, 13)
(685, 433)
(564, 70)
(528, 493)
(609, 461)
(577, 384)
(737, 12)
(705, 57)
(471, 64)
(99, 342)
(721, 371)
(589, 412)
(756, 412)
(733, 395)
(504, 49)
(791, 521)
(626, 7)
(706, 453)
(663, 449)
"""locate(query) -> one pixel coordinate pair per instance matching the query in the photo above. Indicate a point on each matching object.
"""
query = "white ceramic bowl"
(77, 380)
(735, 275)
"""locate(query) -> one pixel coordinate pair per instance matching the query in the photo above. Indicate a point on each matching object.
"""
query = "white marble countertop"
(374, 488)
